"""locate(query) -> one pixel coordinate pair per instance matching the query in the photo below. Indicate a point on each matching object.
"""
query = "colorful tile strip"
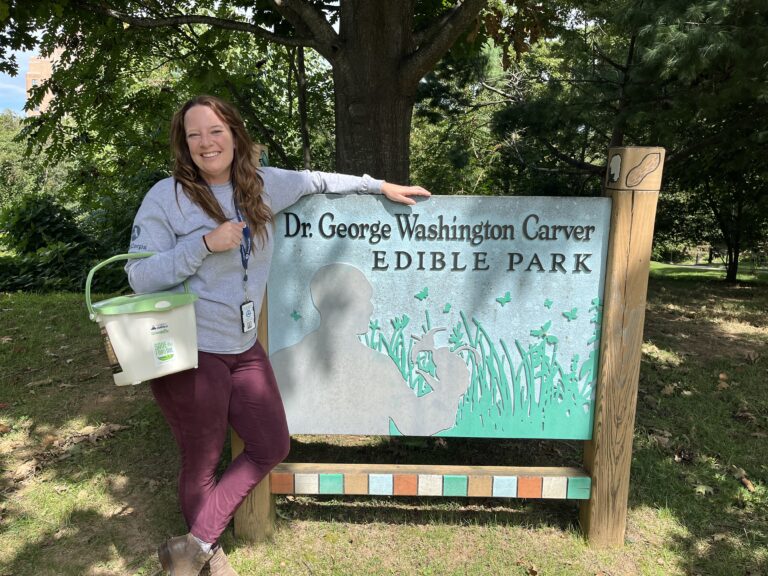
(456, 485)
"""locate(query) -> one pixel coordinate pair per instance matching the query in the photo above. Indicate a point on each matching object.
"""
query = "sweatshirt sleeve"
(285, 187)
(173, 261)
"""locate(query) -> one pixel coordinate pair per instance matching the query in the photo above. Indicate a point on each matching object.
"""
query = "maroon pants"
(237, 390)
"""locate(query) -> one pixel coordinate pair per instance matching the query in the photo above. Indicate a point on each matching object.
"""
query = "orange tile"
(281, 483)
(480, 486)
(355, 483)
(529, 486)
(406, 484)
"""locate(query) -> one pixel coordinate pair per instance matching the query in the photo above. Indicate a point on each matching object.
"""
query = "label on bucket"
(164, 351)
(114, 364)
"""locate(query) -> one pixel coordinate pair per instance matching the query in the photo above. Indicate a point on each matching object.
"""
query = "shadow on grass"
(118, 497)
(404, 510)
(103, 510)
(87, 505)
(703, 415)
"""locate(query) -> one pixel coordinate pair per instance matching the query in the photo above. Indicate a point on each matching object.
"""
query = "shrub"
(35, 222)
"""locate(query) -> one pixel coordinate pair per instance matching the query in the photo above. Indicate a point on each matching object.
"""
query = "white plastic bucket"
(146, 335)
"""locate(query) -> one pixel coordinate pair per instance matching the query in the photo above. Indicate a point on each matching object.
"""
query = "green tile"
(579, 488)
(331, 483)
(455, 485)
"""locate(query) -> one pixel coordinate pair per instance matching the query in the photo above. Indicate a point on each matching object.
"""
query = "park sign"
(459, 316)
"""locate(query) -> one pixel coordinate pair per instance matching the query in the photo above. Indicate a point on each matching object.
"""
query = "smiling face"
(210, 143)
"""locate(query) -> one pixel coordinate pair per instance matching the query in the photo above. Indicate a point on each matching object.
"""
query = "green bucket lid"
(137, 303)
(134, 303)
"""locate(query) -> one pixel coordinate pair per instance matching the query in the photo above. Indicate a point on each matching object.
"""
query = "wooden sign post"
(633, 181)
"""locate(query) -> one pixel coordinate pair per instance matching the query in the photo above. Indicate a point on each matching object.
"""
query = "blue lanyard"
(245, 245)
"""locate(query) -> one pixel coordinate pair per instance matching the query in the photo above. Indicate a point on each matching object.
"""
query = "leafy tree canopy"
(687, 75)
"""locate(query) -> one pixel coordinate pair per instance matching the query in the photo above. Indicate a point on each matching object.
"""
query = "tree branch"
(438, 39)
(584, 166)
(168, 21)
(608, 59)
(304, 16)
(272, 144)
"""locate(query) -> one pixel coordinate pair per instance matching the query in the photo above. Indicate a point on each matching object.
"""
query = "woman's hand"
(403, 194)
(225, 237)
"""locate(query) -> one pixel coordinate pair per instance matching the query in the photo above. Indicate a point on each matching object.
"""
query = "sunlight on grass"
(115, 497)
(668, 357)
(699, 274)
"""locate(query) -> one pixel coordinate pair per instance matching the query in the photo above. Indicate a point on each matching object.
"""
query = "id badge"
(248, 316)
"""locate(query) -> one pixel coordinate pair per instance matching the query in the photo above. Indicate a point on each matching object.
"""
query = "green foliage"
(671, 252)
(52, 252)
(35, 222)
(55, 267)
(22, 173)
(688, 76)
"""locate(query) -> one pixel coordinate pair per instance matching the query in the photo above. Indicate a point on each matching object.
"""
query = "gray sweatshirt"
(170, 225)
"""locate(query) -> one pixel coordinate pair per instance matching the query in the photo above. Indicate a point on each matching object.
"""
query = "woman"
(210, 224)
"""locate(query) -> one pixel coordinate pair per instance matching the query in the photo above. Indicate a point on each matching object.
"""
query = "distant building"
(40, 69)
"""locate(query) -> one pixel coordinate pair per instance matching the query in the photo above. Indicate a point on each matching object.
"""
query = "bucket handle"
(129, 256)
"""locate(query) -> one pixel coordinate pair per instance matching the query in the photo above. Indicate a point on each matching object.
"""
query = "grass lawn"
(88, 469)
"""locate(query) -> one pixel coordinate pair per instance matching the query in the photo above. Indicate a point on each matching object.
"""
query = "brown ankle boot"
(219, 565)
(182, 556)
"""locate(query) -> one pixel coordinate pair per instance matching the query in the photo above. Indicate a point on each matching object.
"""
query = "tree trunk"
(373, 106)
(733, 240)
(301, 80)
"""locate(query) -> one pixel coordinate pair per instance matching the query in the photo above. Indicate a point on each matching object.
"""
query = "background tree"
(689, 76)
(22, 174)
(378, 52)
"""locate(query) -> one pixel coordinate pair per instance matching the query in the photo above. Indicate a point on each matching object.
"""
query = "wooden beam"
(633, 180)
(442, 470)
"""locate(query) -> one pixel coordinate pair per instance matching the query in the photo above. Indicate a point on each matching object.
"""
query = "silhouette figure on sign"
(332, 383)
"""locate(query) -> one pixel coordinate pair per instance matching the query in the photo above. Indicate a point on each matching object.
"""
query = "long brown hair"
(246, 181)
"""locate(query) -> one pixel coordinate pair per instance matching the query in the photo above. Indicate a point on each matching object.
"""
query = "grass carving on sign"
(521, 389)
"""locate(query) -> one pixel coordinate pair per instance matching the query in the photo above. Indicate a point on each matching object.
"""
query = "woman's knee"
(271, 454)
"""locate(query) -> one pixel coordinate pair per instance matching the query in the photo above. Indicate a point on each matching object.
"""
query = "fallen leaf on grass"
(661, 437)
(752, 357)
(530, 570)
(738, 473)
(661, 440)
(4, 405)
(723, 385)
(744, 414)
(36, 383)
(723, 376)
(668, 390)
(4, 428)
(25, 470)
(687, 393)
(49, 440)
(747, 483)
(684, 455)
(741, 475)
(5, 339)
(703, 490)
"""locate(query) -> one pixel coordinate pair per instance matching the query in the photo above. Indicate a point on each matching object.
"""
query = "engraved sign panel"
(459, 316)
